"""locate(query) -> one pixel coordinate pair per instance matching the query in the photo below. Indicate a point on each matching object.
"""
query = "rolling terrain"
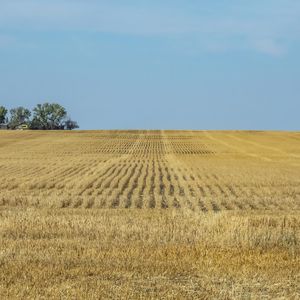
(149, 215)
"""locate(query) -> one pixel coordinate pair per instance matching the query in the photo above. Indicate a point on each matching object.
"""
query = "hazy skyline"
(155, 64)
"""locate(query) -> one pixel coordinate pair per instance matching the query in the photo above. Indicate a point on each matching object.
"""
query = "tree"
(3, 113)
(19, 116)
(70, 124)
(48, 116)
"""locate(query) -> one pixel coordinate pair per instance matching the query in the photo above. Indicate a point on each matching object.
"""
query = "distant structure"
(22, 127)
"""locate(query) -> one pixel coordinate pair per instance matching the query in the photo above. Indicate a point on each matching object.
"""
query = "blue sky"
(159, 64)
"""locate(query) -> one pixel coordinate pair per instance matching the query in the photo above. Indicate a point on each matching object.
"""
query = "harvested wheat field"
(149, 215)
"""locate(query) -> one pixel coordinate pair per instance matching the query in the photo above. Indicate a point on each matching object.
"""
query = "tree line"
(47, 116)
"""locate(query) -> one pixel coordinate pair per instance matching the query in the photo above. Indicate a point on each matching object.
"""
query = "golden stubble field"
(149, 214)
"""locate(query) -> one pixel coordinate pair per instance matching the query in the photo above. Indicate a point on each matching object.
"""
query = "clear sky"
(157, 64)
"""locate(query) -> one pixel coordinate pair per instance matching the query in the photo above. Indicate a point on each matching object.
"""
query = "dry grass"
(159, 215)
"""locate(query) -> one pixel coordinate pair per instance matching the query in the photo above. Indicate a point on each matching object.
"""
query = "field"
(149, 214)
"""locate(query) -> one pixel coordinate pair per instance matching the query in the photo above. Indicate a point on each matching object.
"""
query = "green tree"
(19, 116)
(3, 113)
(48, 116)
(70, 124)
